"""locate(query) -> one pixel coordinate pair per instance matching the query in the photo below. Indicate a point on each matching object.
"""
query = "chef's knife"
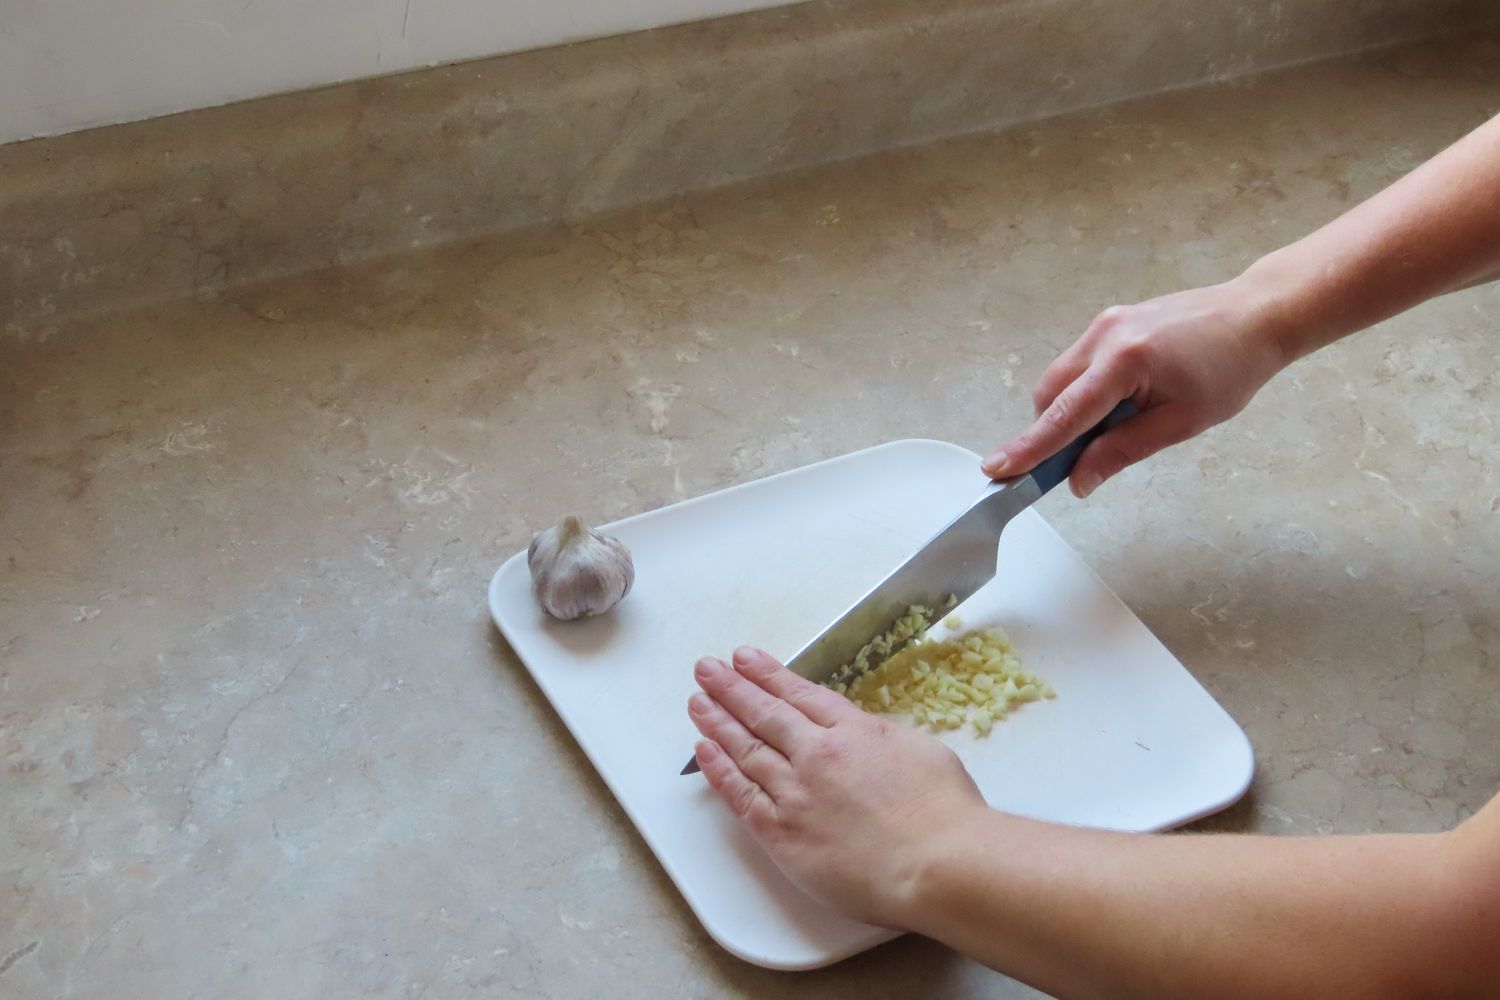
(956, 562)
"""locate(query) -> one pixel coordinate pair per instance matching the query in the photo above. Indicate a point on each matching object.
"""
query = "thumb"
(1138, 438)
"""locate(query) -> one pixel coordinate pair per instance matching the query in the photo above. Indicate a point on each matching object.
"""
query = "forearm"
(1483, 279)
(1084, 913)
(1434, 231)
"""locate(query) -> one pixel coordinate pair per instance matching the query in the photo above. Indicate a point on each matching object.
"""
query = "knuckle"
(1134, 351)
(885, 729)
(1060, 415)
(801, 697)
(752, 748)
(830, 750)
(1109, 317)
(742, 800)
(1047, 390)
(794, 685)
(769, 715)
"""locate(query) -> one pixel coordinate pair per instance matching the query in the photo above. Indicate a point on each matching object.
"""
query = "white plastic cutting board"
(1132, 741)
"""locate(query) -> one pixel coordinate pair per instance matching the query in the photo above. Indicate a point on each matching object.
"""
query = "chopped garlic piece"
(941, 684)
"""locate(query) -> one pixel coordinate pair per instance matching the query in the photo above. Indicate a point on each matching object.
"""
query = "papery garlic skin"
(575, 571)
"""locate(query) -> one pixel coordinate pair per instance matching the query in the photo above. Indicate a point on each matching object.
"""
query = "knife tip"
(691, 768)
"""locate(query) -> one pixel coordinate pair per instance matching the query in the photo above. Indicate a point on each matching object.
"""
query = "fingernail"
(708, 666)
(743, 655)
(1089, 484)
(996, 462)
(698, 703)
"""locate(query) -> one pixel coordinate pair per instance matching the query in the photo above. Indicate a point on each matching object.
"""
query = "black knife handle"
(1055, 469)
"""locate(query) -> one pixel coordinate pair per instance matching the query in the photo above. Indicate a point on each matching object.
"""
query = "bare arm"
(882, 822)
(1194, 358)
(1083, 913)
(1435, 230)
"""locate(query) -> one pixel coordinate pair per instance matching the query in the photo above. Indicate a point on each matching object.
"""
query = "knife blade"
(956, 563)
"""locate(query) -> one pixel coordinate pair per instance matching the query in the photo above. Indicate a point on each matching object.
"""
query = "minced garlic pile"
(941, 683)
(910, 627)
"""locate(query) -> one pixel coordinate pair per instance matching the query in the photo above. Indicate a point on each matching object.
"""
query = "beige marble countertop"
(258, 737)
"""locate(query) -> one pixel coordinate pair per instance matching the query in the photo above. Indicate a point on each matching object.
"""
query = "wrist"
(928, 889)
(1264, 294)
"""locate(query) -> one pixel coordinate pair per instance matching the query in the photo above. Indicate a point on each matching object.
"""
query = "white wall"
(71, 64)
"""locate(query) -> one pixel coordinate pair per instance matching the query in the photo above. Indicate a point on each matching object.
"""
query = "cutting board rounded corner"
(1241, 784)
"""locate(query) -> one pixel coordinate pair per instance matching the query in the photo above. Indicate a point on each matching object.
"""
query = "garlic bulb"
(576, 571)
